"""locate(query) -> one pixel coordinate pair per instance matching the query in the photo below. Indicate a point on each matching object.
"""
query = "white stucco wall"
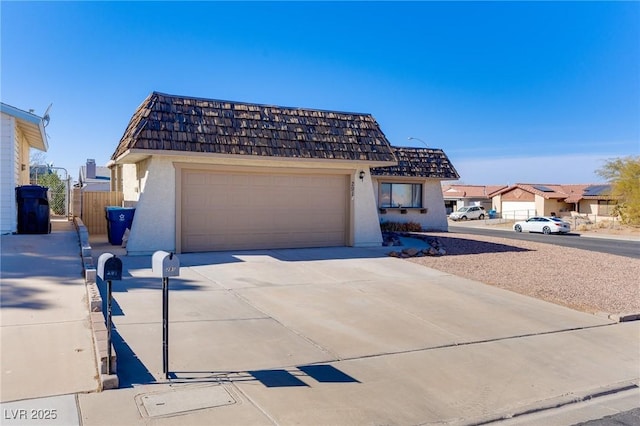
(8, 175)
(154, 222)
(366, 226)
(150, 186)
(435, 219)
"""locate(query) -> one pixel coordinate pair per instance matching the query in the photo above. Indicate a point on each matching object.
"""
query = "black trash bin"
(118, 220)
(33, 209)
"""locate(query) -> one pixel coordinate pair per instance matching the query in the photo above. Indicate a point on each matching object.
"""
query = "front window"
(401, 195)
(605, 207)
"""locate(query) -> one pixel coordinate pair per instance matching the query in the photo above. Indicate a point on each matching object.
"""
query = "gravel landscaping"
(583, 280)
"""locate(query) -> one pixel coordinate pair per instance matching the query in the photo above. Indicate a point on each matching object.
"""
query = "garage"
(231, 210)
(518, 209)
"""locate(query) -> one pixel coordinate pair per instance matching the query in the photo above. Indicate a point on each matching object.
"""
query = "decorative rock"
(411, 252)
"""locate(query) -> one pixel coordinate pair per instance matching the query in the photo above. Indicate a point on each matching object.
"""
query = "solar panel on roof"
(595, 190)
(543, 188)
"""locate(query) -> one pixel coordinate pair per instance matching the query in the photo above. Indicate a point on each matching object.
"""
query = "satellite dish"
(45, 116)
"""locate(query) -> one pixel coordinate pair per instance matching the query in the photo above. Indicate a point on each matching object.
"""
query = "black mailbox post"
(109, 269)
(165, 265)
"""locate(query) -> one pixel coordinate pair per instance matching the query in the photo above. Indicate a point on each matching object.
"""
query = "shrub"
(400, 227)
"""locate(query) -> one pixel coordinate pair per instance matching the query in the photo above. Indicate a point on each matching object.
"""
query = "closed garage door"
(228, 211)
(518, 209)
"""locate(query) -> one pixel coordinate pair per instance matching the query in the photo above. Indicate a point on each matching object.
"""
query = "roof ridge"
(197, 98)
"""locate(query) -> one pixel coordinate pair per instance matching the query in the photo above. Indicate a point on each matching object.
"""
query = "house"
(411, 190)
(209, 175)
(523, 200)
(457, 196)
(20, 131)
(94, 178)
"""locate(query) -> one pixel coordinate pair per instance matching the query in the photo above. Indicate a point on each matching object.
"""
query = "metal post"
(109, 327)
(165, 326)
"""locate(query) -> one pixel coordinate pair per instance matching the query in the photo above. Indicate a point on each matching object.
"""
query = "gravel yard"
(583, 280)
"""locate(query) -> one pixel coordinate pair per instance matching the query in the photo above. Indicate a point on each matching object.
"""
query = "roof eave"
(135, 155)
(30, 120)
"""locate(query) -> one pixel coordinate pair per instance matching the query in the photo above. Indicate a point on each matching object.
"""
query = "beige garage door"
(228, 211)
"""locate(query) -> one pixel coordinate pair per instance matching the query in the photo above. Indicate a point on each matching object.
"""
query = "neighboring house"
(411, 191)
(20, 131)
(94, 178)
(217, 175)
(525, 200)
(457, 196)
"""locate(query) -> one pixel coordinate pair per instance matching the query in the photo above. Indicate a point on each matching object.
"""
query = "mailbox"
(165, 264)
(109, 267)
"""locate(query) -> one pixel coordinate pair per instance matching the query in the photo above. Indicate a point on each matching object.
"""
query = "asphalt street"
(602, 245)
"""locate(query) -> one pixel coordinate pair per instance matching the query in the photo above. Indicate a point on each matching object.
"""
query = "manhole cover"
(182, 400)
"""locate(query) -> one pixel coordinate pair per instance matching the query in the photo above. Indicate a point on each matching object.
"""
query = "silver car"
(469, 212)
(544, 224)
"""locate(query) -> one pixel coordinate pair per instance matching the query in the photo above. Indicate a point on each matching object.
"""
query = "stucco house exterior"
(411, 190)
(20, 131)
(209, 175)
(524, 200)
(456, 196)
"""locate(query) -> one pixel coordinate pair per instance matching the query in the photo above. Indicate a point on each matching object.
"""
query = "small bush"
(400, 227)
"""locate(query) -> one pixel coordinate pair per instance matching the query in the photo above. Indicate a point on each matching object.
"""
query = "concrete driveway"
(346, 336)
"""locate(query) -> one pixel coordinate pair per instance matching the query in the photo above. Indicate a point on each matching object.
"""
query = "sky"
(513, 92)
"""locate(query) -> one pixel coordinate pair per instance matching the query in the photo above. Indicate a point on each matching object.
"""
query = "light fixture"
(361, 175)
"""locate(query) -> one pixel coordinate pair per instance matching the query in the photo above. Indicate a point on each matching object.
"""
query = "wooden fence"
(91, 205)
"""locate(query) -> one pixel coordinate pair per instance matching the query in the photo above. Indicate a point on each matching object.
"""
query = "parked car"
(469, 212)
(544, 224)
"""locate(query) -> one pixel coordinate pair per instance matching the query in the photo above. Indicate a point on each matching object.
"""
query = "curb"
(555, 403)
(107, 379)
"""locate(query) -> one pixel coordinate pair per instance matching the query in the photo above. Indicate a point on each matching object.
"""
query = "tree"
(57, 189)
(624, 176)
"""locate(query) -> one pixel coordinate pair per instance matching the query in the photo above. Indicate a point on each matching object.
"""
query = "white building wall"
(366, 226)
(8, 175)
(23, 159)
(435, 219)
(153, 185)
(150, 186)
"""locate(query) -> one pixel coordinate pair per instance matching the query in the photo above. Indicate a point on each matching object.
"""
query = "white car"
(544, 224)
(469, 212)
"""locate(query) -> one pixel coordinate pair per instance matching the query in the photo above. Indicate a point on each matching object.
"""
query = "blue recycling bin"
(118, 220)
(33, 209)
(492, 214)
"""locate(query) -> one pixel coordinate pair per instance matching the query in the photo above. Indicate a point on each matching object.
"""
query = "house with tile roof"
(208, 175)
(524, 200)
(411, 190)
(20, 131)
(456, 196)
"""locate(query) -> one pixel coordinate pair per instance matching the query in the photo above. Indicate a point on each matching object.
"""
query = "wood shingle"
(419, 162)
(177, 123)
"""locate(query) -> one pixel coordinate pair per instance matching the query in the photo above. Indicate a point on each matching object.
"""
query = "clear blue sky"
(513, 92)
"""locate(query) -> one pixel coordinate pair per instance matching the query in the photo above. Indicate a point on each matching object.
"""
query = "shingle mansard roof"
(419, 162)
(177, 123)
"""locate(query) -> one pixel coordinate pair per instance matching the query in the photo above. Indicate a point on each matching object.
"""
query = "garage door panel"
(253, 211)
(518, 209)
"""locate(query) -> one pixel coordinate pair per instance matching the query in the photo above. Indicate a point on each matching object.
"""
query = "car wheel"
(463, 218)
(518, 228)
(546, 230)
(481, 217)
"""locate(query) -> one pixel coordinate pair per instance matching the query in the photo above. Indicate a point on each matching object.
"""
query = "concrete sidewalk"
(341, 336)
(47, 344)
